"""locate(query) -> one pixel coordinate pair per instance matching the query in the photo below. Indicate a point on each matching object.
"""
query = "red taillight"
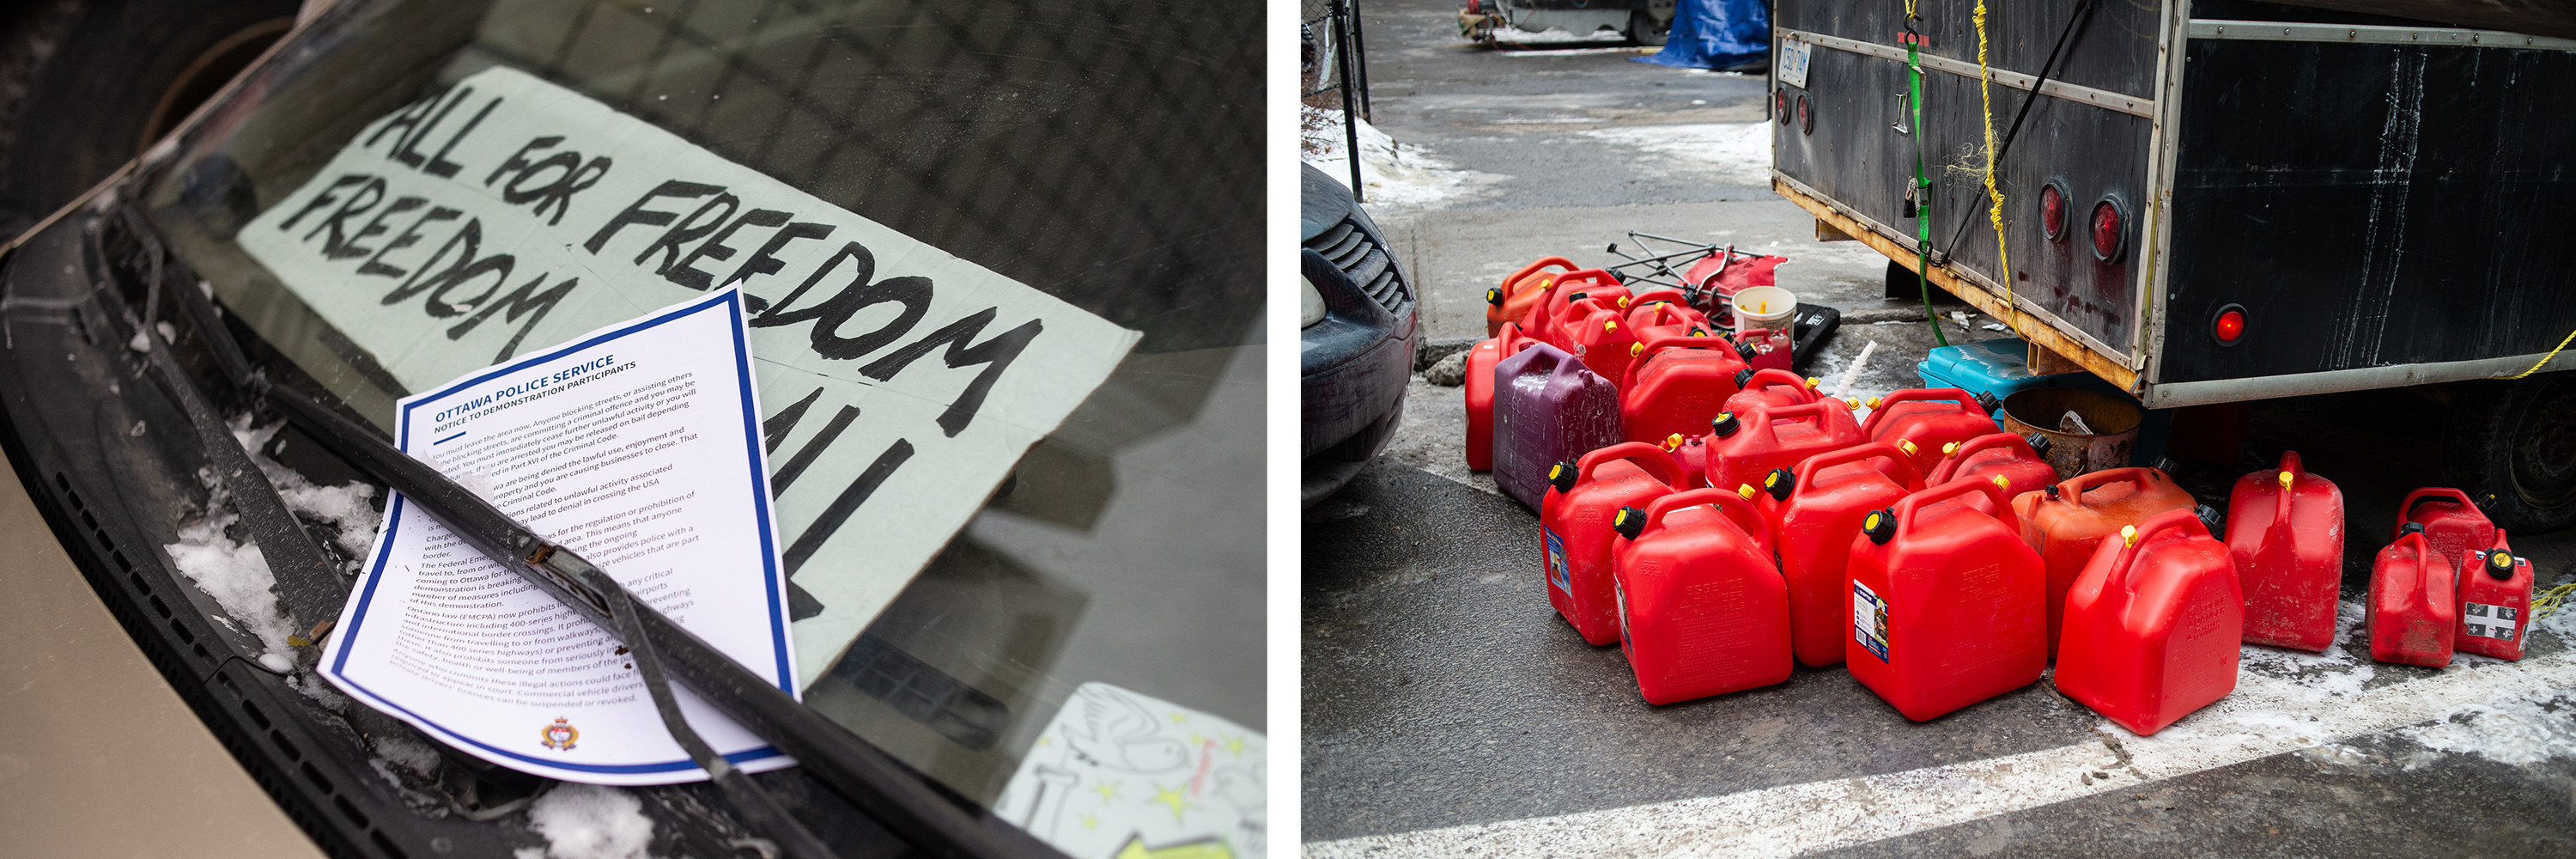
(2230, 325)
(2052, 212)
(1780, 105)
(1806, 115)
(2106, 230)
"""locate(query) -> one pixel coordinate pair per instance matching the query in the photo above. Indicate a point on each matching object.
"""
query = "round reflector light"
(2106, 230)
(1780, 105)
(2052, 212)
(2230, 325)
(1806, 115)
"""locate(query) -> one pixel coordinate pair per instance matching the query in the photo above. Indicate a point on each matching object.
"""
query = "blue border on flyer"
(731, 301)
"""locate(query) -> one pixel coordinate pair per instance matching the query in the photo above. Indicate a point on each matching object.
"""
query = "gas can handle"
(1769, 376)
(2072, 490)
(2425, 557)
(1729, 502)
(1917, 395)
(1658, 463)
(1808, 467)
(2137, 538)
(1513, 340)
(1533, 268)
(1962, 486)
(1952, 463)
(2288, 475)
(1661, 293)
(2406, 508)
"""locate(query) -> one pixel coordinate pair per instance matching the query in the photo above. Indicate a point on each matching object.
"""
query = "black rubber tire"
(2511, 445)
(125, 69)
(1902, 283)
(1644, 30)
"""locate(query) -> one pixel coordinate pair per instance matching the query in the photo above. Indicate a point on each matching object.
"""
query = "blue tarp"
(1716, 34)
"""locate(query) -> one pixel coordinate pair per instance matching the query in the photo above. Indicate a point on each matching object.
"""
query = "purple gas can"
(1548, 408)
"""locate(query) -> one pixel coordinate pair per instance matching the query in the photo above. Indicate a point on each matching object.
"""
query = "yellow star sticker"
(1046, 740)
(1172, 797)
(1089, 822)
(1108, 790)
(1196, 739)
(1178, 718)
(1235, 745)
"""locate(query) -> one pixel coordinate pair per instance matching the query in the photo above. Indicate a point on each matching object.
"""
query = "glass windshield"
(1102, 156)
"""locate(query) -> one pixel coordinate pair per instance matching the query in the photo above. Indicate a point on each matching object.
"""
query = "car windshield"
(1106, 155)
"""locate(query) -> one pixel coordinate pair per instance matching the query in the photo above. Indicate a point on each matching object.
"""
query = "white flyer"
(1119, 775)
(506, 213)
(638, 446)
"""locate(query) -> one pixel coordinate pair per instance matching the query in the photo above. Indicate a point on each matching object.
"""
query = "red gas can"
(1574, 528)
(1543, 321)
(1721, 275)
(1702, 611)
(2453, 524)
(1678, 387)
(1770, 388)
(1480, 392)
(2285, 528)
(2016, 459)
(2153, 624)
(1692, 452)
(2411, 616)
(1815, 510)
(1547, 409)
(1945, 603)
(1744, 447)
(2065, 522)
(1661, 313)
(2495, 603)
(1603, 340)
(1764, 349)
(1931, 418)
(1511, 300)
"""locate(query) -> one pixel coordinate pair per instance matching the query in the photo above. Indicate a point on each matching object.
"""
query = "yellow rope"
(1985, 95)
(2551, 600)
(2544, 359)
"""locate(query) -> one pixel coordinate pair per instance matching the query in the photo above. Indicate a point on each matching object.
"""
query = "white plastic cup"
(1764, 307)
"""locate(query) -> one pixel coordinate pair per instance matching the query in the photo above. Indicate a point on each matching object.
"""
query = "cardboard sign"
(507, 214)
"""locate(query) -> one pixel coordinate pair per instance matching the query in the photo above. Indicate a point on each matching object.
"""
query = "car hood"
(1321, 202)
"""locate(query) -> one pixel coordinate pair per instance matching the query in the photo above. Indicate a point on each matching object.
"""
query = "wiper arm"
(870, 780)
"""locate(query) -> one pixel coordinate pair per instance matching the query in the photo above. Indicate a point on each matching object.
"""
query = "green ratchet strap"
(1913, 40)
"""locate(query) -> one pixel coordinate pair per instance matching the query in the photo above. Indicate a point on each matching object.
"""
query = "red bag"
(2153, 625)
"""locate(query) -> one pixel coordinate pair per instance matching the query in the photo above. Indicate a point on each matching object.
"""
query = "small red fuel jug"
(2066, 521)
(1932, 419)
(2016, 459)
(2285, 529)
(1701, 610)
(1573, 287)
(2153, 624)
(1770, 388)
(1603, 340)
(2453, 524)
(1480, 392)
(1547, 409)
(2495, 602)
(1764, 349)
(1660, 312)
(2410, 614)
(1815, 510)
(1511, 300)
(1579, 308)
(1692, 452)
(1745, 446)
(1945, 603)
(1574, 528)
(1679, 386)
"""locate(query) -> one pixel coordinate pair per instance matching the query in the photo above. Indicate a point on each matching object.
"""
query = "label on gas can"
(1556, 567)
(1869, 620)
(1620, 592)
(2490, 621)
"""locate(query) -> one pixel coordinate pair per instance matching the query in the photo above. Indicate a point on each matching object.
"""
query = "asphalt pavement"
(1447, 711)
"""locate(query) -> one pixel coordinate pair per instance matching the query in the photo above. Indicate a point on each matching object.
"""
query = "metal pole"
(1350, 118)
(1359, 56)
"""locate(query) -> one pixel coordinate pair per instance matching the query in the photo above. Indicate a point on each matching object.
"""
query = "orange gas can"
(2410, 615)
(1574, 528)
(1702, 610)
(1480, 392)
(1678, 386)
(2285, 529)
(1814, 511)
(2495, 602)
(2065, 522)
(1945, 603)
(1772, 388)
(1511, 300)
(2453, 525)
(2016, 459)
(1744, 447)
(2153, 624)
(1930, 418)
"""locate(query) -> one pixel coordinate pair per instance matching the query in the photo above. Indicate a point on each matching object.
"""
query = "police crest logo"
(558, 736)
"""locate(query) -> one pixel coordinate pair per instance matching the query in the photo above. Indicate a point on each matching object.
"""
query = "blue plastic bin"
(2000, 367)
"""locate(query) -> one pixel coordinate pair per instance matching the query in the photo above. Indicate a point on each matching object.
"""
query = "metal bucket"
(2114, 423)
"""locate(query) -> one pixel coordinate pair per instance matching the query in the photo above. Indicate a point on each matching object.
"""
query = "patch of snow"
(1394, 175)
(588, 821)
(410, 754)
(1559, 36)
(345, 506)
(237, 576)
(140, 343)
(1734, 153)
(2506, 730)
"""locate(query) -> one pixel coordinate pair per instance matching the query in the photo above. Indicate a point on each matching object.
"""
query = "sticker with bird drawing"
(1122, 775)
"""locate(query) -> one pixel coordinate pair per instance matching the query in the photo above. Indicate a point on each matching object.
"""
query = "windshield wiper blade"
(858, 771)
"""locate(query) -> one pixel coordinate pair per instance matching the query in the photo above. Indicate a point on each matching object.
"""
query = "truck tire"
(1643, 29)
(123, 74)
(2511, 445)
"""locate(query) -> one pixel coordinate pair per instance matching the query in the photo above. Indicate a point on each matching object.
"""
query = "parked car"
(1645, 22)
(1001, 134)
(1358, 335)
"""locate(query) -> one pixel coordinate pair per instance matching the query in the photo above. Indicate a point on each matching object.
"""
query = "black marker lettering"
(323, 199)
(714, 247)
(376, 226)
(407, 119)
(848, 502)
(995, 354)
(556, 195)
(765, 260)
(375, 265)
(439, 166)
(637, 214)
(403, 149)
(357, 204)
(523, 301)
(829, 314)
(689, 229)
(815, 446)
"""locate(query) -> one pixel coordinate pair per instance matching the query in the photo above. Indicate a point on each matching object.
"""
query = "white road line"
(2283, 702)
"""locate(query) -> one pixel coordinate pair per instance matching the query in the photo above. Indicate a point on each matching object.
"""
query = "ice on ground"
(1734, 153)
(1559, 36)
(345, 507)
(1394, 175)
(2510, 731)
(237, 576)
(410, 754)
(588, 821)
